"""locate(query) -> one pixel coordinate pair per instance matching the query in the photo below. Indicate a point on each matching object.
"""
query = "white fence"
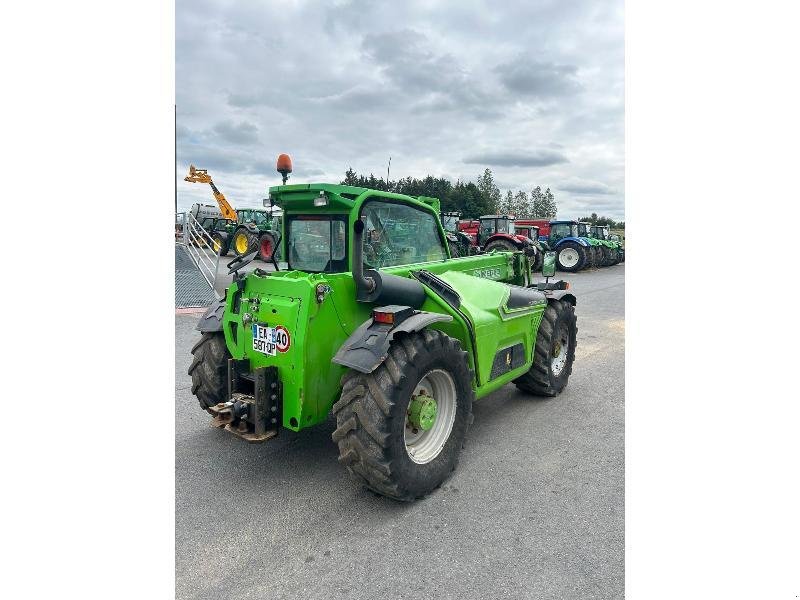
(200, 247)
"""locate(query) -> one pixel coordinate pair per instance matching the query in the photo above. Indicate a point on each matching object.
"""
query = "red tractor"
(498, 232)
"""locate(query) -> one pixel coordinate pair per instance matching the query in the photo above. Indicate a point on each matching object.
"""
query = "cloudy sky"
(533, 90)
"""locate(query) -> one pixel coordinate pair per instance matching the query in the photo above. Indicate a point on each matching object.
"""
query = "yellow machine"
(202, 176)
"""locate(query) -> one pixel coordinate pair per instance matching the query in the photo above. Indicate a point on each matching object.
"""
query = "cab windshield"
(317, 243)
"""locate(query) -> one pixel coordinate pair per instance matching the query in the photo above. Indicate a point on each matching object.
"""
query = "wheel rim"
(568, 257)
(560, 349)
(424, 445)
(241, 243)
(266, 247)
(216, 244)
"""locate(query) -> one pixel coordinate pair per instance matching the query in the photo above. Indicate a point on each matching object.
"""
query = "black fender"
(368, 346)
(211, 321)
(564, 295)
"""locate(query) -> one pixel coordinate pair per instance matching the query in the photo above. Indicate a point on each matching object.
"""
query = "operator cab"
(491, 224)
(318, 238)
(450, 221)
(563, 229)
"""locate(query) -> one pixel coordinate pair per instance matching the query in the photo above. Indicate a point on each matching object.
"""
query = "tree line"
(595, 220)
(471, 199)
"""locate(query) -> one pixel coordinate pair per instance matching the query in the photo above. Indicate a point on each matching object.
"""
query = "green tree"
(489, 190)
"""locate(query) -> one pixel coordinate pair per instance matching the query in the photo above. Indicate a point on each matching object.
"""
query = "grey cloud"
(585, 188)
(535, 78)
(237, 133)
(539, 158)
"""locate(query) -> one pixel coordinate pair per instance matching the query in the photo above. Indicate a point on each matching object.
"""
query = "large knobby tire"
(501, 245)
(615, 256)
(538, 262)
(455, 249)
(554, 352)
(570, 257)
(243, 242)
(266, 246)
(220, 244)
(209, 370)
(597, 257)
(372, 416)
(606, 256)
(622, 255)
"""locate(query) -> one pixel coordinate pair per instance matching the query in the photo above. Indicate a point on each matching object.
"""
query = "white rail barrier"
(200, 247)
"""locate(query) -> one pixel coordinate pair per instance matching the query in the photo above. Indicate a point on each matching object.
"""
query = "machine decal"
(493, 273)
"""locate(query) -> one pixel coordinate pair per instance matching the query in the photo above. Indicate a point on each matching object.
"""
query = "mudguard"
(578, 240)
(368, 346)
(211, 320)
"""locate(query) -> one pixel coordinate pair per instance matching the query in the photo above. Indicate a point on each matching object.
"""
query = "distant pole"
(387, 172)
(176, 158)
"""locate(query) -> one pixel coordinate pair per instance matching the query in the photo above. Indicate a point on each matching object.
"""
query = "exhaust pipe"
(362, 283)
(382, 288)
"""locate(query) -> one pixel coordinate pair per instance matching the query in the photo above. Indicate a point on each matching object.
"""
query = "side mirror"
(549, 264)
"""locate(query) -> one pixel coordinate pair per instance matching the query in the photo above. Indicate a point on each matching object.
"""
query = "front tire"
(376, 433)
(554, 352)
(209, 369)
(571, 257)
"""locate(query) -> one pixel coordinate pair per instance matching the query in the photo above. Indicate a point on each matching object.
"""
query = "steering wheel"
(241, 261)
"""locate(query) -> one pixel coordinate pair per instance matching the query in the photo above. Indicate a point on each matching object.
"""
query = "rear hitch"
(254, 417)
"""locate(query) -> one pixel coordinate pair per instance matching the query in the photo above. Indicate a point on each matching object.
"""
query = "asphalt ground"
(534, 510)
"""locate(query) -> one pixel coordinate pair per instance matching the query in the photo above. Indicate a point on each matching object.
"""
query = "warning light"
(383, 317)
(284, 166)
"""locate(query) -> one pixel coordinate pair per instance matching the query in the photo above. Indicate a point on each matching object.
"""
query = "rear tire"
(209, 369)
(554, 352)
(571, 257)
(220, 244)
(501, 245)
(373, 432)
(606, 256)
(243, 242)
(266, 246)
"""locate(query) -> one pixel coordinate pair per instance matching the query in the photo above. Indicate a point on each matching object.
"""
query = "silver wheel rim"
(560, 349)
(568, 257)
(424, 446)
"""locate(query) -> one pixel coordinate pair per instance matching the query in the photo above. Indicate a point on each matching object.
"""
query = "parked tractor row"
(577, 245)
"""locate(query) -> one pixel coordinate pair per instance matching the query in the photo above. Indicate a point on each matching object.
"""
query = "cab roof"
(340, 197)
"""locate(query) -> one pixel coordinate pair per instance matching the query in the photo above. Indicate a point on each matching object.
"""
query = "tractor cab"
(494, 224)
(450, 221)
(600, 232)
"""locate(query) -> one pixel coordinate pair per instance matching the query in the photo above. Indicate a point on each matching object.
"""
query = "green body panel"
(319, 310)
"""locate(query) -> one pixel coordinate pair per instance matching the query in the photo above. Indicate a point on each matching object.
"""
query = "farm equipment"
(612, 250)
(375, 321)
(572, 250)
(595, 254)
(459, 243)
(498, 232)
(245, 230)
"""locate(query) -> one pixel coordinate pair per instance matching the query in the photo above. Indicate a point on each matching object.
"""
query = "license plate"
(270, 340)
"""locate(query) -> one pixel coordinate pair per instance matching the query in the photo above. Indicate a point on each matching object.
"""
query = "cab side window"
(560, 230)
(398, 234)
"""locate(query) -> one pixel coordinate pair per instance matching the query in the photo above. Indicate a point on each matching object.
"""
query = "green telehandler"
(375, 321)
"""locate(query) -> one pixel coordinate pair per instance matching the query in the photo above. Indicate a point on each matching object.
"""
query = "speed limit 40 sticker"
(270, 340)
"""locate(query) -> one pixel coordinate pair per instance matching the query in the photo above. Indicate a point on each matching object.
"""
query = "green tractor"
(612, 250)
(458, 242)
(595, 254)
(255, 230)
(375, 321)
